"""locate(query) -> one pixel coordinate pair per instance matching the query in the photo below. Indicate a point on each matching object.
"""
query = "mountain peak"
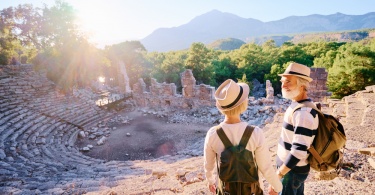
(216, 13)
(215, 25)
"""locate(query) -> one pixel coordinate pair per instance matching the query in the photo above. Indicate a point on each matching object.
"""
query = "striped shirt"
(297, 134)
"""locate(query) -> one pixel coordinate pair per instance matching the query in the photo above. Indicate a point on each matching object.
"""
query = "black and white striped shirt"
(297, 134)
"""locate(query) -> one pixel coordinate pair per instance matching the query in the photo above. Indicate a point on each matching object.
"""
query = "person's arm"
(209, 158)
(263, 160)
(303, 137)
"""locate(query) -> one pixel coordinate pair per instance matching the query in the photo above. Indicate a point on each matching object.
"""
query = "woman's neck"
(232, 119)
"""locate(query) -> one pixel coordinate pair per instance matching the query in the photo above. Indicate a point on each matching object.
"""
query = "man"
(231, 101)
(298, 131)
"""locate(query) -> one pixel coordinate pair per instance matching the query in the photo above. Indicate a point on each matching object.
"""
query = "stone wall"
(318, 87)
(164, 95)
(162, 89)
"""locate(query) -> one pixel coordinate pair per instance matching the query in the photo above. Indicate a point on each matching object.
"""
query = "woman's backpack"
(238, 172)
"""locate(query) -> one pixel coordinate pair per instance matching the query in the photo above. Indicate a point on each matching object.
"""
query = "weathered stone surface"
(101, 140)
(318, 90)
(329, 175)
(269, 91)
(159, 173)
(367, 151)
(372, 162)
(82, 134)
(85, 149)
(180, 172)
(2, 154)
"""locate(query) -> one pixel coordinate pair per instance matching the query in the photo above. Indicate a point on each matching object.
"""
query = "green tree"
(252, 61)
(133, 56)
(290, 52)
(224, 69)
(65, 51)
(244, 80)
(352, 70)
(199, 61)
(169, 69)
(326, 60)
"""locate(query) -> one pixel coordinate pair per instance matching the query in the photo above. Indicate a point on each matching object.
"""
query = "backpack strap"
(323, 165)
(307, 104)
(223, 137)
(246, 135)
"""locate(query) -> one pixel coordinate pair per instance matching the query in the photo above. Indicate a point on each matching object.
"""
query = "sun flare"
(101, 79)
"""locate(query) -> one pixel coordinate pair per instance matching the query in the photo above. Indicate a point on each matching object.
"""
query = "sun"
(95, 21)
(111, 23)
(101, 79)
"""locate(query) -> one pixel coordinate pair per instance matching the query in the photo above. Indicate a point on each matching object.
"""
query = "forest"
(51, 40)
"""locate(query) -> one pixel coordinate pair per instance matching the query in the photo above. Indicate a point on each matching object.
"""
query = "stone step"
(354, 110)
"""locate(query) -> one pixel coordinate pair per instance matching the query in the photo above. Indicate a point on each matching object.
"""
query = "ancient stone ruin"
(269, 92)
(318, 87)
(123, 79)
(39, 128)
(164, 95)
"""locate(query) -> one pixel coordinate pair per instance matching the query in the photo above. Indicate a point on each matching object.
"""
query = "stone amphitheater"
(39, 127)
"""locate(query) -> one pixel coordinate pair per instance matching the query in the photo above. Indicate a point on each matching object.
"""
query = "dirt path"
(150, 137)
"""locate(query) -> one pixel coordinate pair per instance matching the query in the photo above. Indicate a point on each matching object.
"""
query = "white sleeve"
(209, 158)
(263, 160)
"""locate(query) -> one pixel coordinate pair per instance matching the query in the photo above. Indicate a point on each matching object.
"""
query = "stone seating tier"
(38, 129)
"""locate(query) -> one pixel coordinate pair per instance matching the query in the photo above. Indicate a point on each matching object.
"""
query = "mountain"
(215, 25)
(226, 44)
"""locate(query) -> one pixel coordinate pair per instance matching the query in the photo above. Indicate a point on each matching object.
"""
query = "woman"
(231, 101)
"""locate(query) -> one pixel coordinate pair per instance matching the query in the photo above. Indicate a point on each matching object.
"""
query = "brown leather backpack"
(326, 149)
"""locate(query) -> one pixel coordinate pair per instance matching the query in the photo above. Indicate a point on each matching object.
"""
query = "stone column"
(123, 78)
(269, 92)
(188, 83)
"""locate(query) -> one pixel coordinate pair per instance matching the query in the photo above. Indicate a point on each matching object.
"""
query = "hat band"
(236, 100)
(297, 73)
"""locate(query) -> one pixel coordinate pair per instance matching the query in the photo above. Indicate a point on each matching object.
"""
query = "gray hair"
(303, 82)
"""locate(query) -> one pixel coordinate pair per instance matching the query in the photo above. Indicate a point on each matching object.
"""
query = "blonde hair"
(237, 110)
(303, 82)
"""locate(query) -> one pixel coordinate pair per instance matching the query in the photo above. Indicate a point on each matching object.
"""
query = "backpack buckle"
(323, 166)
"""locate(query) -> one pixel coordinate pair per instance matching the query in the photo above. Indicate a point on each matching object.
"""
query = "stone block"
(159, 173)
(370, 88)
(372, 162)
(326, 175)
(367, 151)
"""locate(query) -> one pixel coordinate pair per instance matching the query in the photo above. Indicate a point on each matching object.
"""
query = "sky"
(114, 21)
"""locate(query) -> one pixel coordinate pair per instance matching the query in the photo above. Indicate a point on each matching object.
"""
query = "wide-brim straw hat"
(298, 70)
(230, 94)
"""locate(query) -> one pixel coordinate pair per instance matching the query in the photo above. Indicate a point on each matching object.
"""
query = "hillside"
(339, 36)
(216, 25)
(226, 44)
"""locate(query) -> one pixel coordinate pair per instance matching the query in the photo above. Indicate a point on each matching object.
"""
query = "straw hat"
(298, 70)
(230, 94)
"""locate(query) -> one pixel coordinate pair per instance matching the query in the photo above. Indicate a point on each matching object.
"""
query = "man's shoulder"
(305, 111)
